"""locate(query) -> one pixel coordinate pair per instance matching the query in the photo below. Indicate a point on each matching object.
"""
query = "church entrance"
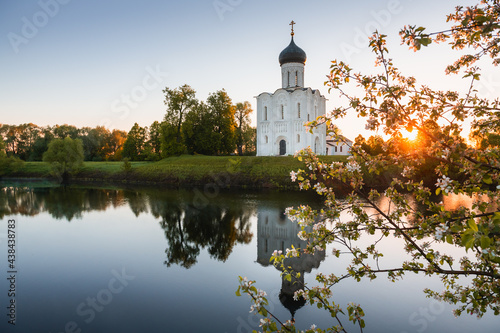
(282, 147)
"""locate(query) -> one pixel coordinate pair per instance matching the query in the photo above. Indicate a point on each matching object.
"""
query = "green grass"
(109, 167)
(251, 171)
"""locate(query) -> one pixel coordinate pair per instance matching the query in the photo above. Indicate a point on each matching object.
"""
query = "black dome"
(292, 53)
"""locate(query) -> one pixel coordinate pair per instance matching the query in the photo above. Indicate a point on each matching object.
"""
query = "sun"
(411, 136)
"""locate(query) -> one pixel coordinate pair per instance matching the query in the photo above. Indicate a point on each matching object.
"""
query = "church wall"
(281, 121)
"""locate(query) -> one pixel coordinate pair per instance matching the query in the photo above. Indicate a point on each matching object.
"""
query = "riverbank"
(183, 171)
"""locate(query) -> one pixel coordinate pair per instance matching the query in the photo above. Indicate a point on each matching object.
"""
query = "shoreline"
(185, 171)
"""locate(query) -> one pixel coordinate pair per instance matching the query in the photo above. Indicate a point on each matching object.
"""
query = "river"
(163, 260)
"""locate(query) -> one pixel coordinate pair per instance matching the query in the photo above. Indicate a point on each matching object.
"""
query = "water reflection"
(276, 232)
(60, 202)
(216, 226)
(189, 228)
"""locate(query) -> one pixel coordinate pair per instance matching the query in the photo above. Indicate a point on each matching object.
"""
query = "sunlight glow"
(409, 135)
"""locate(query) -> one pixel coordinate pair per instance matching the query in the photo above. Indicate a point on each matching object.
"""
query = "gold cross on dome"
(292, 23)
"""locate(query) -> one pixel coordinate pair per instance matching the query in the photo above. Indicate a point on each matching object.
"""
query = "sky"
(106, 62)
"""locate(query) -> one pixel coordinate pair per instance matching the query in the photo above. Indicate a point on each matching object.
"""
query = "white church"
(281, 115)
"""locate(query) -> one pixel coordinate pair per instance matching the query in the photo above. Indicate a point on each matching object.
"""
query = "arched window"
(288, 79)
(267, 139)
(282, 112)
(298, 137)
(296, 78)
(298, 110)
(340, 148)
(265, 112)
(308, 117)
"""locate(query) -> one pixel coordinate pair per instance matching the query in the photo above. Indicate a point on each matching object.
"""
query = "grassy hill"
(185, 170)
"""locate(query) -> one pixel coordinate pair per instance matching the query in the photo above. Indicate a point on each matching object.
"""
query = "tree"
(95, 143)
(153, 145)
(222, 110)
(169, 145)
(41, 144)
(198, 129)
(133, 148)
(179, 101)
(116, 141)
(65, 157)
(62, 131)
(8, 163)
(242, 115)
(392, 102)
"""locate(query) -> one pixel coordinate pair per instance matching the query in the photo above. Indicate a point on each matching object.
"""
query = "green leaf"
(467, 240)
(238, 293)
(485, 242)
(449, 239)
(487, 179)
(472, 224)
(263, 311)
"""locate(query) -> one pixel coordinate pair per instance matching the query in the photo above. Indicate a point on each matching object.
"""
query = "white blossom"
(293, 176)
(445, 153)
(445, 184)
(320, 189)
(440, 231)
(292, 253)
(371, 124)
(406, 172)
(353, 166)
(318, 226)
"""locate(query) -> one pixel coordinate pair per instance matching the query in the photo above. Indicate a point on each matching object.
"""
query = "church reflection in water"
(276, 232)
(217, 226)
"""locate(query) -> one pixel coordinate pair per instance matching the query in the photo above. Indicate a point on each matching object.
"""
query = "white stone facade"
(281, 115)
(280, 121)
(338, 147)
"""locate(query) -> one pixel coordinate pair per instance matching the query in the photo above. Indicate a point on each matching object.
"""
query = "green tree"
(198, 130)
(169, 145)
(62, 131)
(392, 102)
(8, 164)
(250, 141)
(65, 157)
(224, 125)
(133, 147)
(242, 115)
(179, 101)
(95, 143)
(41, 144)
(153, 145)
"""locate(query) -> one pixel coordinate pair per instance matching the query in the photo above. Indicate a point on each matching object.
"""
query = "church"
(281, 115)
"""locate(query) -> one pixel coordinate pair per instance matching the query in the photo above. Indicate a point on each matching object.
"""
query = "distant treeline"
(29, 141)
(216, 127)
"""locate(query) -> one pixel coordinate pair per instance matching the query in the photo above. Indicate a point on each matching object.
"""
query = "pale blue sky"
(90, 63)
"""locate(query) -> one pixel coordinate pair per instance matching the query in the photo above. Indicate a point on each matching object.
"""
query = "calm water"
(99, 260)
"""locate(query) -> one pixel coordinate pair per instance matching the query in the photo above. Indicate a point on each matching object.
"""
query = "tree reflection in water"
(216, 226)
